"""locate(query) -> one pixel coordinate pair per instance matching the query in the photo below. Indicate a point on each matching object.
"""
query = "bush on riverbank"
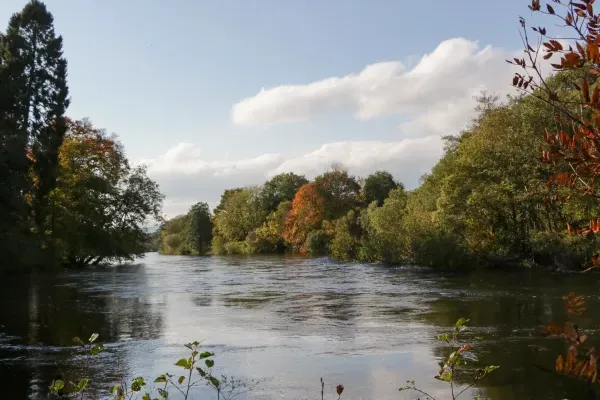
(485, 203)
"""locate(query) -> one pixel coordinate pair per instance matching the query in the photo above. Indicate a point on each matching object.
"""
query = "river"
(286, 322)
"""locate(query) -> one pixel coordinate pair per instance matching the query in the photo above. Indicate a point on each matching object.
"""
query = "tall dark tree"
(36, 72)
(280, 188)
(14, 163)
(199, 228)
(377, 187)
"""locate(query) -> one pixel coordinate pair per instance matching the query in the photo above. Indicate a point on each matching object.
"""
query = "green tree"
(280, 188)
(172, 233)
(101, 203)
(268, 237)
(346, 237)
(384, 227)
(240, 215)
(377, 186)
(198, 229)
(339, 190)
(224, 197)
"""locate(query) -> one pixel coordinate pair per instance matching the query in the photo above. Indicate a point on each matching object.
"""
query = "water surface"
(286, 322)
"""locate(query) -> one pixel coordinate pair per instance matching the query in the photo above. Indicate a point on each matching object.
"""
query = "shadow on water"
(42, 313)
(508, 311)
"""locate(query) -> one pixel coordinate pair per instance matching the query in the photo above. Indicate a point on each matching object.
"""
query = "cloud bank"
(185, 178)
(442, 85)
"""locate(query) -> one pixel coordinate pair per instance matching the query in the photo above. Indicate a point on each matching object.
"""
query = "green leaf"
(161, 379)
(194, 353)
(201, 372)
(163, 393)
(146, 397)
(446, 377)
(196, 343)
(137, 384)
(490, 368)
(114, 389)
(57, 385)
(214, 381)
(81, 385)
(209, 363)
(189, 346)
(181, 379)
(444, 338)
(77, 341)
(205, 354)
(96, 349)
(461, 322)
(183, 362)
(93, 337)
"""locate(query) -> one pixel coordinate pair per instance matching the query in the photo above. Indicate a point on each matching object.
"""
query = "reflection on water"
(286, 321)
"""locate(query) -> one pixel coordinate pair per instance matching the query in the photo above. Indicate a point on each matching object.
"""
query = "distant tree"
(198, 229)
(225, 197)
(307, 214)
(346, 238)
(385, 227)
(377, 186)
(339, 190)
(240, 214)
(280, 188)
(269, 236)
(172, 233)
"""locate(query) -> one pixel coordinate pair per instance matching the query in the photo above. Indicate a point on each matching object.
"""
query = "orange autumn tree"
(306, 214)
(573, 138)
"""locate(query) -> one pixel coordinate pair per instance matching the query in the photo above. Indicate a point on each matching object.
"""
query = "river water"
(286, 322)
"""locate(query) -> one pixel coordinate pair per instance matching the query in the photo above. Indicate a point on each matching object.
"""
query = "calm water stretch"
(286, 322)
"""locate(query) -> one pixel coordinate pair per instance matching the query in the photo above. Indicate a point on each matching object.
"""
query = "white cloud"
(434, 97)
(441, 83)
(185, 178)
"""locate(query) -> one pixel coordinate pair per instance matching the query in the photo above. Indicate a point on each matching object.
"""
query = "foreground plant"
(198, 367)
(338, 389)
(453, 363)
(581, 360)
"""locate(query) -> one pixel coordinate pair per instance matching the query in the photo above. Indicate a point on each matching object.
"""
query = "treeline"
(68, 195)
(487, 202)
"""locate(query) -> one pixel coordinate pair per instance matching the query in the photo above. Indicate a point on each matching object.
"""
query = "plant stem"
(452, 382)
(462, 391)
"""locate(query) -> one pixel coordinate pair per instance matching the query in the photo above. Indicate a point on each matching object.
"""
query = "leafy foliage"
(67, 192)
(571, 138)
(377, 186)
(240, 214)
(198, 369)
(100, 203)
(456, 360)
(199, 228)
(339, 190)
(581, 360)
(280, 188)
(306, 215)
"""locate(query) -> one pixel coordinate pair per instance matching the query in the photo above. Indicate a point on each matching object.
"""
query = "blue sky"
(167, 76)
